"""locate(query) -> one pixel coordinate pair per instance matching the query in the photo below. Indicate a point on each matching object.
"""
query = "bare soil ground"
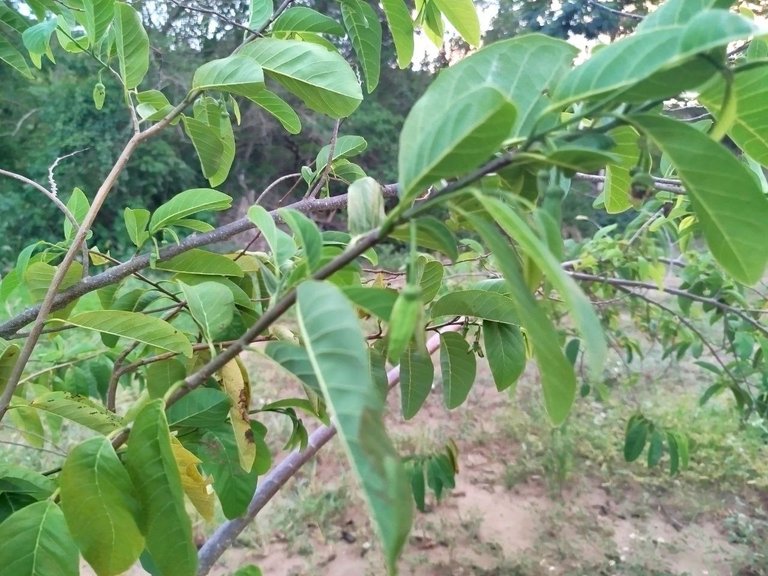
(526, 503)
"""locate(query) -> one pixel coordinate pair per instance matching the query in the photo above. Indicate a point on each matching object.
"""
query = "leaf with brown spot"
(234, 381)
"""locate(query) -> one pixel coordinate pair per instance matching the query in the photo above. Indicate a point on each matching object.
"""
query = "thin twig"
(274, 184)
(664, 184)
(216, 15)
(597, 4)
(28, 447)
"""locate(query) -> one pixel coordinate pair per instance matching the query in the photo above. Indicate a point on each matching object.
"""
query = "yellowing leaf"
(197, 488)
(234, 381)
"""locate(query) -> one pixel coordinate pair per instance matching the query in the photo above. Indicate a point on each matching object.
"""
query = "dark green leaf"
(201, 408)
(635, 438)
(299, 19)
(362, 24)
(458, 367)
(131, 43)
(476, 304)
(416, 375)
(505, 351)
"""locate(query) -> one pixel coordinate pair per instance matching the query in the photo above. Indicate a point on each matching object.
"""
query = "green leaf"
(750, 127)
(438, 142)
(154, 106)
(296, 361)
(280, 109)
(300, 19)
(365, 206)
(374, 300)
(362, 24)
(248, 571)
(336, 347)
(131, 43)
(557, 378)
(187, 203)
(310, 238)
(581, 309)
(209, 146)
(344, 147)
(201, 408)
(197, 261)
(458, 368)
(635, 58)
(37, 542)
(655, 448)
(405, 322)
(281, 244)
(322, 79)
(431, 233)
(462, 15)
(212, 305)
(635, 437)
(100, 506)
(78, 409)
(259, 14)
(78, 205)
(21, 480)
(136, 225)
(38, 277)
(235, 74)
(98, 17)
(234, 486)
(401, 27)
(9, 352)
(725, 197)
(152, 467)
(505, 351)
(429, 274)
(160, 376)
(13, 57)
(618, 181)
(134, 326)
(416, 375)
(478, 304)
(674, 12)
(37, 40)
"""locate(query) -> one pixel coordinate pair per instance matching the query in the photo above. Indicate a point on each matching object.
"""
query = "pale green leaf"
(152, 468)
(301, 19)
(634, 58)
(212, 305)
(725, 197)
(282, 245)
(100, 506)
(131, 43)
(9, 352)
(134, 326)
(36, 542)
(429, 274)
(136, 222)
(98, 16)
(336, 347)
(308, 234)
(365, 206)
(37, 40)
(401, 28)
(78, 409)
(750, 127)
(235, 74)
(618, 181)
(322, 79)
(462, 15)
(197, 261)
(187, 203)
(78, 205)
(259, 14)
(208, 144)
(295, 360)
(344, 147)
(362, 24)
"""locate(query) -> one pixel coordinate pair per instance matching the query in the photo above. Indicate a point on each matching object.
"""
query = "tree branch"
(276, 478)
(117, 273)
